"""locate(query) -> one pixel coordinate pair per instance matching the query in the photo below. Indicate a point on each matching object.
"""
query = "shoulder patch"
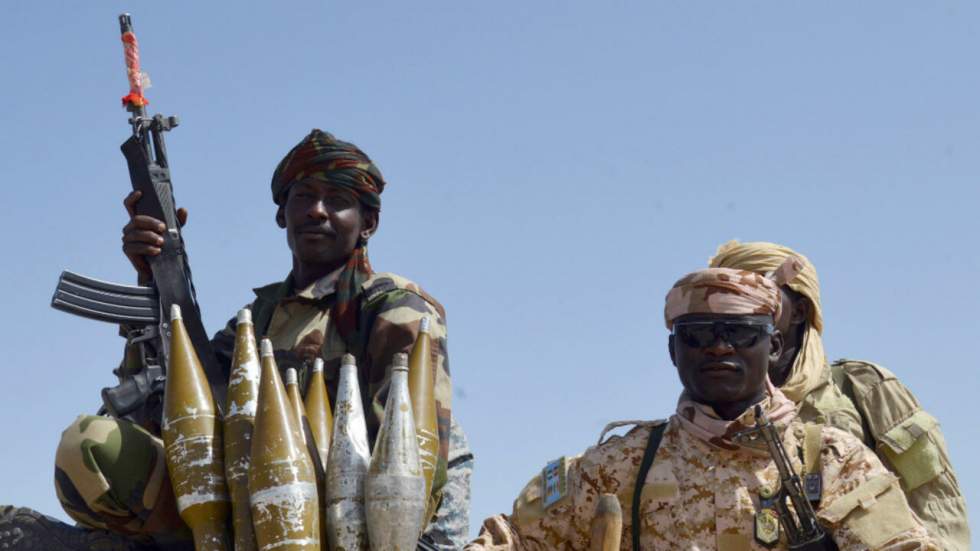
(554, 482)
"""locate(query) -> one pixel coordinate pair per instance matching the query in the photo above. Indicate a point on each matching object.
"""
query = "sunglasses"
(703, 334)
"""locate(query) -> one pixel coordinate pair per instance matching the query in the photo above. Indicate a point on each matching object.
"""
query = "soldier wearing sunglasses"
(696, 481)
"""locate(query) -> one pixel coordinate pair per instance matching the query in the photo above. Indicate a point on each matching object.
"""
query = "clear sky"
(553, 167)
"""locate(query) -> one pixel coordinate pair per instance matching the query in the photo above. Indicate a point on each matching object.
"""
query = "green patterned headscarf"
(321, 157)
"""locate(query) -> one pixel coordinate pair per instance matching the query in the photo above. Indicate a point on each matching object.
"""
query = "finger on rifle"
(137, 254)
(135, 249)
(181, 216)
(146, 237)
(144, 222)
(130, 202)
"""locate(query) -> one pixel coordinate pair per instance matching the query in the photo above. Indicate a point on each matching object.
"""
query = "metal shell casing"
(243, 394)
(394, 491)
(299, 410)
(421, 387)
(348, 465)
(281, 482)
(319, 413)
(192, 440)
(320, 417)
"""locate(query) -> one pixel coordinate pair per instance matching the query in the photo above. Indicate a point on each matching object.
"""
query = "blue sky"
(553, 167)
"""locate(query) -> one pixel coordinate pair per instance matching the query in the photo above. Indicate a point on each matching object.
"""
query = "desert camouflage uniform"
(123, 492)
(698, 496)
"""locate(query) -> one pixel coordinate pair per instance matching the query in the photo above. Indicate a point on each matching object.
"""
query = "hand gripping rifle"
(802, 529)
(142, 311)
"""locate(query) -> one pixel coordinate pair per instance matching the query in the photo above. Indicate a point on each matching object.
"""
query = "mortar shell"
(192, 441)
(243, 393)
(281, 484)
(394, 491)
(347, 466)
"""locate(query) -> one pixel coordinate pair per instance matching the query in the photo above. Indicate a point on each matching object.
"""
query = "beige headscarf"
(764, 258)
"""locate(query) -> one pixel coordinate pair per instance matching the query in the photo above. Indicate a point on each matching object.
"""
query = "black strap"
(656, 435)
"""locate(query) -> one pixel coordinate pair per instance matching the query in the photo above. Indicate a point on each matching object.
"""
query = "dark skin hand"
(727, 378)
(143, 236)
(792, 321)
(323, 224)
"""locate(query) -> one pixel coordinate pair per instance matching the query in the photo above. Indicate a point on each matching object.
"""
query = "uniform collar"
(320, 289)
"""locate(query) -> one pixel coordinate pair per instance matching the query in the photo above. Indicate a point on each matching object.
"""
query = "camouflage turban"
(722, 291)
(322, 157)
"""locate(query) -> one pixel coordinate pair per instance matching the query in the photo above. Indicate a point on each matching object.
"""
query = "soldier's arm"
(395, 327)
(450, 528)
(911, 444)
(863, 504)
(542, 519)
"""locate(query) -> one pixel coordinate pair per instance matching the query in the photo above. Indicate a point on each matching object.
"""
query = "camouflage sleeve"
(555, 509)
(396, 316)
(450, 527)
(863, 504)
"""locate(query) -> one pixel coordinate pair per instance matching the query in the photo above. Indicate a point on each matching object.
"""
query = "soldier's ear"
(801, 311)
(775, 347)
(281, 217)
(371, 220)
(670, 348)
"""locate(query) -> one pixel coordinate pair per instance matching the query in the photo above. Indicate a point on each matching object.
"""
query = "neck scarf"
(701, 420)
(345, 311)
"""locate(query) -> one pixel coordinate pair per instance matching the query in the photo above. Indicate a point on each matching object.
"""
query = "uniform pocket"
(875, 511)
(912, 450)
(659, 492)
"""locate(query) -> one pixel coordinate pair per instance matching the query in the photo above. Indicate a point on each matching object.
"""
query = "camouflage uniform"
(699, 496)
(124, 493)
(867, 401)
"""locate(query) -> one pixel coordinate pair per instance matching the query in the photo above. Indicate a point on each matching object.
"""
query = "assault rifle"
(802, 530)
(142, 310)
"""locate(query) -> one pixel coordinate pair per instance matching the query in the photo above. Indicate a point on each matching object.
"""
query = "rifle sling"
(656, 435)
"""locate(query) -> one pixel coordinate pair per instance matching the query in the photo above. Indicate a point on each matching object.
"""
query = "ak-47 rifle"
(142, 310)
(802, 530)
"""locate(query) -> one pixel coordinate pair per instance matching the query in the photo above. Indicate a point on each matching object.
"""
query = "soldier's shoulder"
(863, 369)
(383, 283)
(269, 291)
(637, 435)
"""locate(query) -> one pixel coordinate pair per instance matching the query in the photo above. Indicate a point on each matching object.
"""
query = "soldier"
(709, 488)
(110, 473)
(860, 397)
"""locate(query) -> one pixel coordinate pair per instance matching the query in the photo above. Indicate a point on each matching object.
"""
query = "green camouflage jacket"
(299, 326)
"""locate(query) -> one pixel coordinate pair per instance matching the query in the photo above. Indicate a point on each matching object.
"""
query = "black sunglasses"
(702, 334)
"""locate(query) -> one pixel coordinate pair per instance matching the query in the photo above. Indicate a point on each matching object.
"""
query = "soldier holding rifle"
(110, 473)
(328, 197)
(733, 468)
